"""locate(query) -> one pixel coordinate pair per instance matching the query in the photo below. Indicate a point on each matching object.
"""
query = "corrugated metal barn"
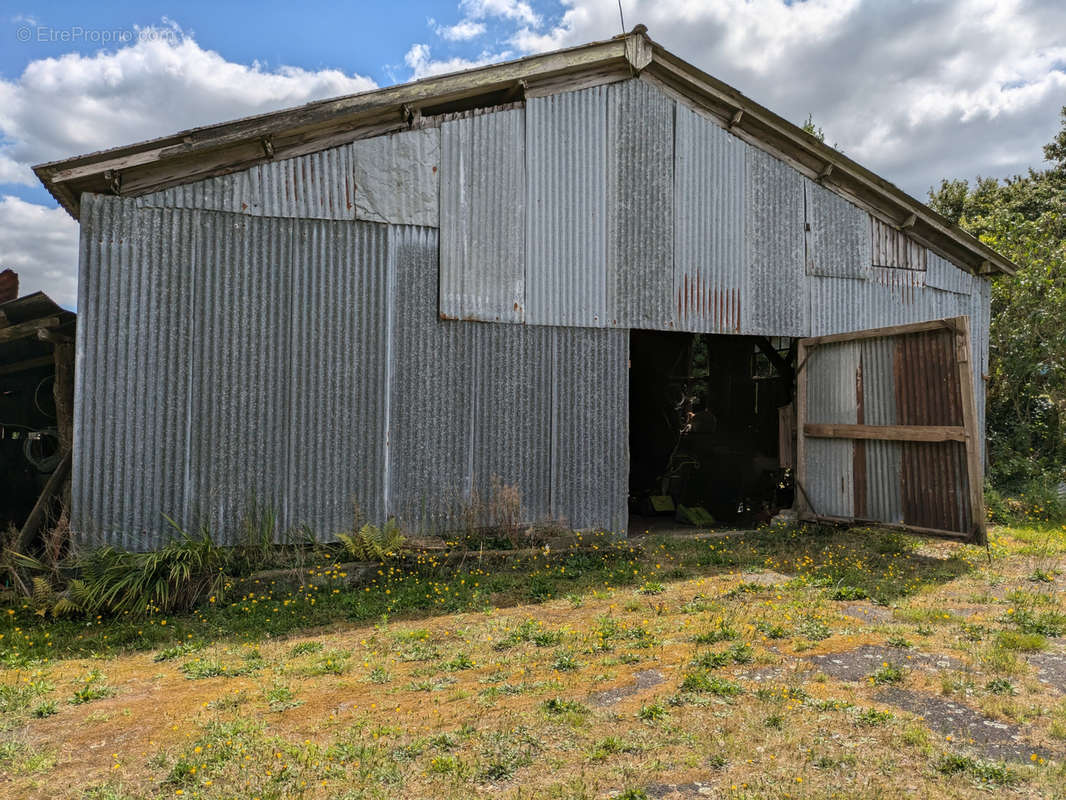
(550, 272)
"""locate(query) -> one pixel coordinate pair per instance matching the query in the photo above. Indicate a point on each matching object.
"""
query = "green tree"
(1024, 218)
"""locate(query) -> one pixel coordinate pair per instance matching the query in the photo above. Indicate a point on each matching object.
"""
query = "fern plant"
(373, 543)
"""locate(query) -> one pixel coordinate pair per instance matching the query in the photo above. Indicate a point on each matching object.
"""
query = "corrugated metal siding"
(778, 294)
(893, 248)
(136, 274)
(513, 413)
(301, 364)
(838, 235)
(430, 390)
(831, 398)
(883, 458)
(337, 367)
(483, 217)
(566, 167)
(942, 274)
(391, 178)
(239, 400)
(640, 194)
(590, 433)
(711, 227)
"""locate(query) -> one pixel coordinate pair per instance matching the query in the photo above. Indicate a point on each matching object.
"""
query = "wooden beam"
(891, 330)
(39, 515)
(891, 433)
(24, 329)
(891, 526)
(801, 502)
(22, 366)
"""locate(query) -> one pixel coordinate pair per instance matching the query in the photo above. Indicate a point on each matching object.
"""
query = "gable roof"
(211, 150)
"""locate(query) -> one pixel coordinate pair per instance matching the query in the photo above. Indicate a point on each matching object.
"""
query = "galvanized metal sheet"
(711, 227)
(893, 248)
(338, 313)
(131, 373)
(430, 404)
(513, 415)
(777, 301)
(396, 178)
(566, 161)
(391, 178)
(238, 436)
(483, 217)
(883, 498)
(590, 430)
(640, 195)
(942, 274)
(316, 186)
(831, 398)
(838, 235)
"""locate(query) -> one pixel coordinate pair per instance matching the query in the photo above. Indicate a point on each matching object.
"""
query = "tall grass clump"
(175, 577)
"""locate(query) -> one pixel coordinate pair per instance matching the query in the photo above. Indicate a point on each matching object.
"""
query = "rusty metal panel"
(893, 248)
(832, 398)
(483, 217)
(942, 274)
(838, 235)
(934, 475)
(566, 164)
(590, 428)
(777, 301)
(640, 194)
(711, 226)
(336, 377)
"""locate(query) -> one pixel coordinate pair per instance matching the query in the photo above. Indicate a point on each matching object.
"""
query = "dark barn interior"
(709, 427)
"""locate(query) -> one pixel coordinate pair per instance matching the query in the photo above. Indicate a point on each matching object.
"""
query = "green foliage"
(372, 543)
(1024, 218)
(175, 577)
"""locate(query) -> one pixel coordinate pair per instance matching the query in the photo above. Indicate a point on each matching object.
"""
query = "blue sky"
(916, 90)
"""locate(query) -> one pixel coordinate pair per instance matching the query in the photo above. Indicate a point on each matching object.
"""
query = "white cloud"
(41, 244)
(462, 31)
(422, 65)
(78, 103)
(515, 10)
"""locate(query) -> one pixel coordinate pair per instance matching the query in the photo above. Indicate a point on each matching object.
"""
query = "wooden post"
(969, 421)
(800, 473)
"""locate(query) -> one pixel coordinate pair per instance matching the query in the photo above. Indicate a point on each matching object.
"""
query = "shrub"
(173, 578)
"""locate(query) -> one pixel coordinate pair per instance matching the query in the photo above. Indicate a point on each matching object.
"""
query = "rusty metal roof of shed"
(212, 150)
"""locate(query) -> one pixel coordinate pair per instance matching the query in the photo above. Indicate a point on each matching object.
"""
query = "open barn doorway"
(710, 428)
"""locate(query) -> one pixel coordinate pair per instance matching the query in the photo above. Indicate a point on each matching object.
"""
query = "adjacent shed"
(597, 276)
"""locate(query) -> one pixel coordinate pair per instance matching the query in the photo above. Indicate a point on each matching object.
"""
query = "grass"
(431, 681)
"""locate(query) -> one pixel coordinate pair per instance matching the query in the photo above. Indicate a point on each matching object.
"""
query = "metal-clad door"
(887, 429)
